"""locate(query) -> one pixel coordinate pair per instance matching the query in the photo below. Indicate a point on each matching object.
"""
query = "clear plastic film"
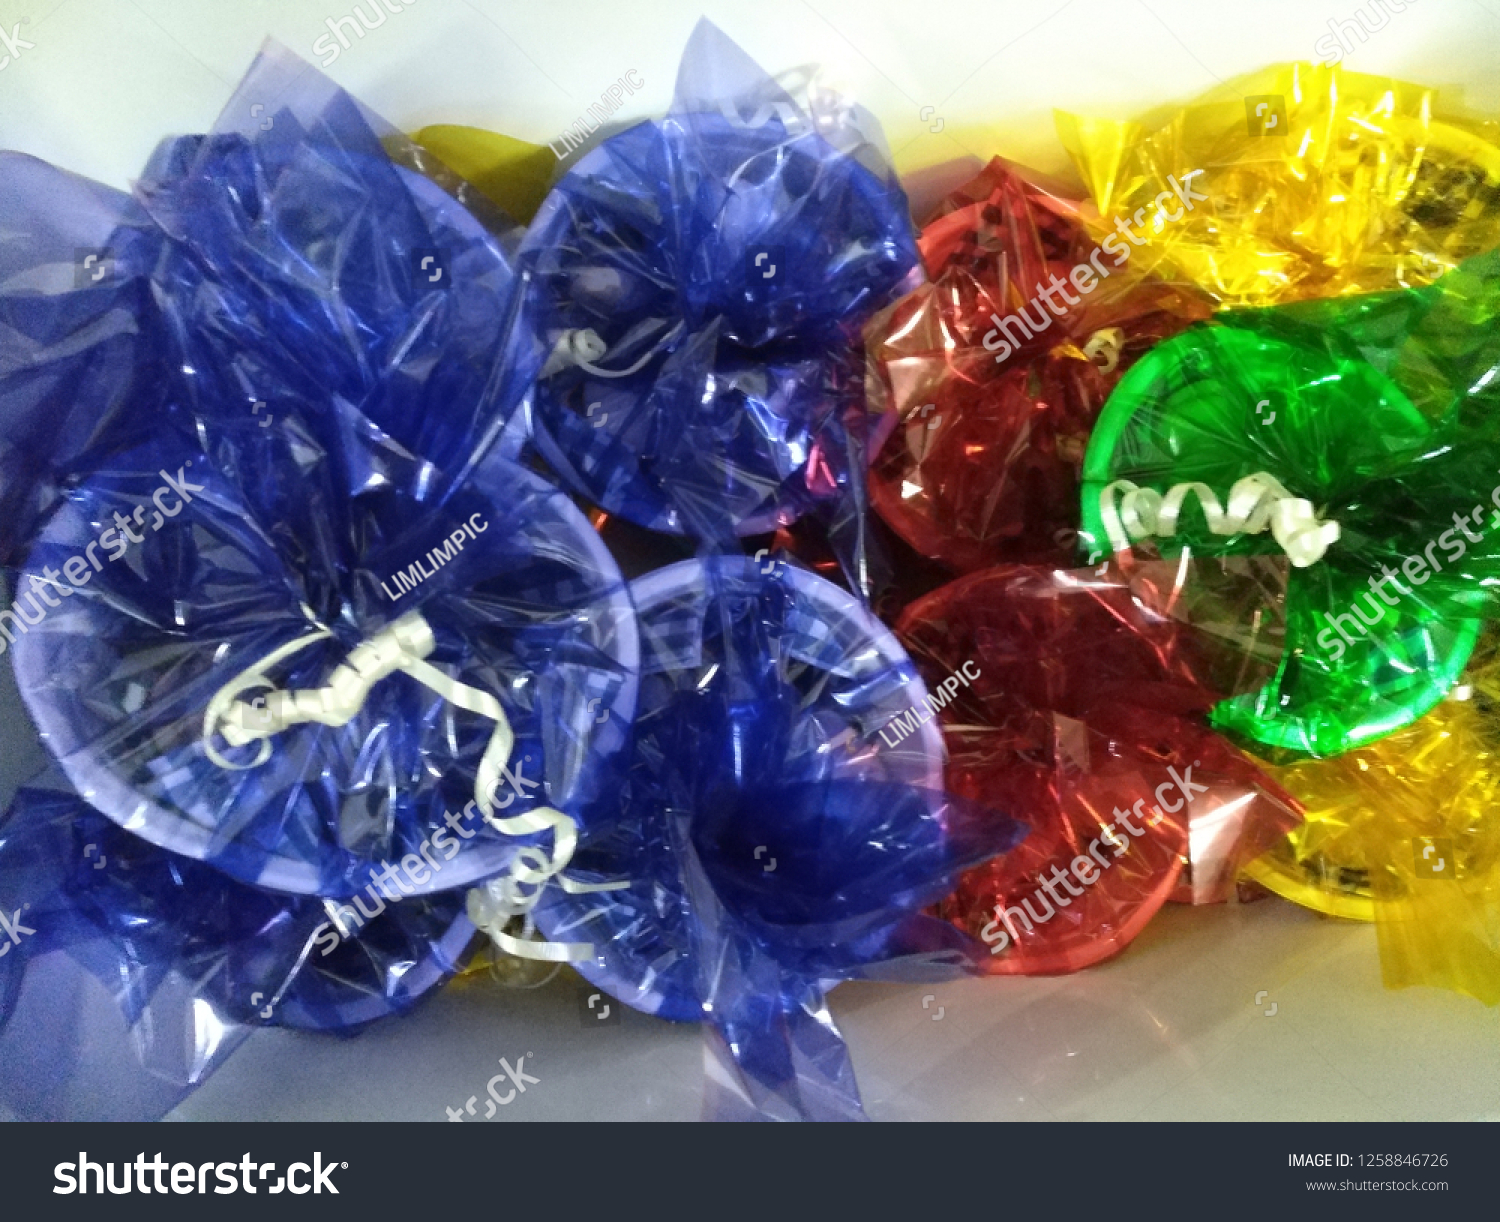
(700, 282)
(510, 173)
(303, 250)
(782, 824)
(303, 681)
(1309, 181)
(1084, 716)
(134, 973)
(1404, 832)
(315, 628)
(81, 351)
(1356, 436)
(310, 262)
(995, 385)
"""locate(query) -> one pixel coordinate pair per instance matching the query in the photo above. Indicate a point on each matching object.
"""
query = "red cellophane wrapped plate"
(1078, 708)
(990, 426)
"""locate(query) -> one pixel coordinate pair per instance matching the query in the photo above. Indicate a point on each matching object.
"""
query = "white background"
(1171, 1029)
(108, 78)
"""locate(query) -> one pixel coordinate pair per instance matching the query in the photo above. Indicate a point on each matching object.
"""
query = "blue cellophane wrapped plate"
(700, 282)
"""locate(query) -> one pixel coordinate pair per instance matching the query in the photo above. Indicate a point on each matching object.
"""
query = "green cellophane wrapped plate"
(1282, 393)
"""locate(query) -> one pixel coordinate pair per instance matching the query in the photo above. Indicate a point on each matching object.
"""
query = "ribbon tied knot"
(404, 646)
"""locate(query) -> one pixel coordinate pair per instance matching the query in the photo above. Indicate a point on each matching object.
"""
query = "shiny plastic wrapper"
(285, 638)
(134, 973)
(298, 676)
(1083, 713)
(302, 250)
(1312, 181)
(80, 352)
(1358, 436)
(310, 261)
(1405, 832)
(700, 282)
(984, 465)
(510, 173)
(778, 833)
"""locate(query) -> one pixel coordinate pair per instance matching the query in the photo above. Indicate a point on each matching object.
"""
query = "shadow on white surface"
(1171, 1030)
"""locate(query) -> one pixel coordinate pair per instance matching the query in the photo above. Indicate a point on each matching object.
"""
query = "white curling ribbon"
(574, 347)
(403, 646)
(1107, 342)
(491, 907)
(1256, 502)
(582, 347)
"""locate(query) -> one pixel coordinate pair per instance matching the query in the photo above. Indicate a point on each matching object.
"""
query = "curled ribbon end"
(1256, 502)
(404, 646)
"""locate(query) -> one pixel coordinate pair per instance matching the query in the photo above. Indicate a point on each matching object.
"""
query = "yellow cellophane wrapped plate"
(1406, 832)
(507, 171)
(1318, 182)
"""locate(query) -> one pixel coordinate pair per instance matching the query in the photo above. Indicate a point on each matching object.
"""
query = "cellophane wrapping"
(137, 972)
(723, 258)
(1085, 711)
(983, 466)
(1310, 181)
(1377, 410)
(778, 834)
(335, 356)
(1403, 832)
